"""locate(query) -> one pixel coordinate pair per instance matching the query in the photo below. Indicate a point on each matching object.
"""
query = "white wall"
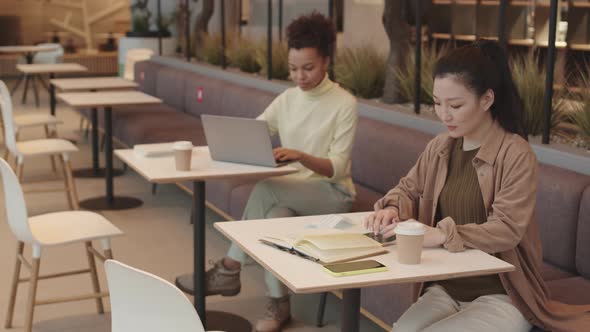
(363, 24)
(292, 9)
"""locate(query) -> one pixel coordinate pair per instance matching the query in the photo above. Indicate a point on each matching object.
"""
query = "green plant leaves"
(361, 70)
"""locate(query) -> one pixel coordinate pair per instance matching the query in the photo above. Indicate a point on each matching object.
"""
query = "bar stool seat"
(57, 228)
(46, 146)
(35, 120)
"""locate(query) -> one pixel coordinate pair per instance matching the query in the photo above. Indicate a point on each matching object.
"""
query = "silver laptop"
(239, 140)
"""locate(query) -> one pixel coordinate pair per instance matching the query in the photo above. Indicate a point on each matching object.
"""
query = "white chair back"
(141, 301)
(7, 117)
(133, 56)
(55, 56)
(14, 200)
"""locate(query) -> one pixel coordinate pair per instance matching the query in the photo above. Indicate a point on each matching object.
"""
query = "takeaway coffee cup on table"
(182, 155)
(409, 237)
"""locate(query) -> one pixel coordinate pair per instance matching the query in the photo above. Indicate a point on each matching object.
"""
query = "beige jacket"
(507, 172)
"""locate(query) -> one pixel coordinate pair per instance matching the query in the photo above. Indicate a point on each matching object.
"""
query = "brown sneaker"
(221, 281)
(278, 313)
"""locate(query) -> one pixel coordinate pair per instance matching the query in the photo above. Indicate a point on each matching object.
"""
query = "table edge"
(306, 290)
(124, 158)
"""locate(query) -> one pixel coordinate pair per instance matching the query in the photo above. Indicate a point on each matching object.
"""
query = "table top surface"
(163, 169)
(304, 276)
(27, 49)
(41, 68)
(92, 83)
(107, 98)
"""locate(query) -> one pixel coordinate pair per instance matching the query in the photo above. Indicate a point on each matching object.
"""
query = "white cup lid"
(182, 145)
(410, 227)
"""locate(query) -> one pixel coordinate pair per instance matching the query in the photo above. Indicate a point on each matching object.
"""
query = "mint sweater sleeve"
(341, 144)
(270, 115)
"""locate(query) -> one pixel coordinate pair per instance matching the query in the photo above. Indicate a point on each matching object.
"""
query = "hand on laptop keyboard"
(283, 155)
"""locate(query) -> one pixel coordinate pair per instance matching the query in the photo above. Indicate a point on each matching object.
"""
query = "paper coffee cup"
(182, 155)
(409, 238)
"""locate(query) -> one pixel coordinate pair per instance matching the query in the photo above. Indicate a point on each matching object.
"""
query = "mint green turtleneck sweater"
(320, 122)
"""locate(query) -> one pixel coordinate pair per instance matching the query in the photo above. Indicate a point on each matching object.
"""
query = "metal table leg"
(351, 306)
(110, 202)
(212, 320)
(95, 171)
(52, 101)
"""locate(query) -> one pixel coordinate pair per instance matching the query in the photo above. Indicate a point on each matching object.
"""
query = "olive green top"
(461, 199)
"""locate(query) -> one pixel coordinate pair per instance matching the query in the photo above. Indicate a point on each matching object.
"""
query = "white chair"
(141, 301)
(31, 119)
(47, 230)
(133, 56)
(53, 147)
(55, 56)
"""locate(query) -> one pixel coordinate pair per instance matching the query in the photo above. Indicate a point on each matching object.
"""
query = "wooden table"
(92, 84)
(31, 72)
(162, 170)
(304, 276)
(28, 51)
(108, 99)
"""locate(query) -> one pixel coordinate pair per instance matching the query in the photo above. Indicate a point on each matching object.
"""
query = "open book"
(327, 247)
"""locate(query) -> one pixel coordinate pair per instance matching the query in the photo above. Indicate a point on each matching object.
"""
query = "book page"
(339, 241)
(338, 255)
(286, 241)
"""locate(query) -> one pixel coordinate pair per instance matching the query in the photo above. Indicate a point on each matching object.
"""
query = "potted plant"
(141, 22)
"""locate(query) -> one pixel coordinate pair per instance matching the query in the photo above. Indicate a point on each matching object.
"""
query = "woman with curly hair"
(316, 122)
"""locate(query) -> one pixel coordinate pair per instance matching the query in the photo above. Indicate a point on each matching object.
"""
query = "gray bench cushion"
(383, 153)
(550, 272)
(387, 303)
(244, 102)
(557, 209)
(156, 124)
(212, 92)
(583, 243)
(365, 199)
(145, 74)
(574, 290)
(170, 87)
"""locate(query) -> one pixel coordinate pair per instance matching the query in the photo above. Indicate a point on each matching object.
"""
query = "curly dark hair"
(314, 30)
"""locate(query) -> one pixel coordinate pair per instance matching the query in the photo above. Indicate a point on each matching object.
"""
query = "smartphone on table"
(384, 241)
(353, 268)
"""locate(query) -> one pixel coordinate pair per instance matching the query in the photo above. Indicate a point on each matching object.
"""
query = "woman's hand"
(385, 221)
(284, 154)
(433, 237)
(382, 221)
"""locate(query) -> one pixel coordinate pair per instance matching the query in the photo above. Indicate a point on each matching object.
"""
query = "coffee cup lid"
(410, 227)
(182, 145)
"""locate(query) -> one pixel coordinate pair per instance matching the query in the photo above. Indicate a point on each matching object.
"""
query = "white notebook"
(154, 150)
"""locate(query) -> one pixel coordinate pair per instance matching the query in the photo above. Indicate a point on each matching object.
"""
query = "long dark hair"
(481, 66)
